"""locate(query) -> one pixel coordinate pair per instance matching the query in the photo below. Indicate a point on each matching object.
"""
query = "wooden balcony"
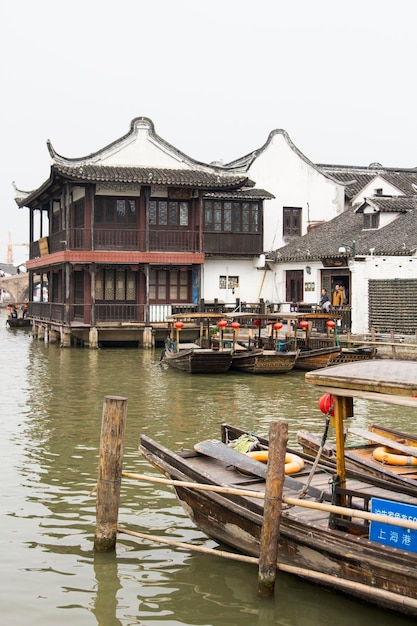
(119, 239)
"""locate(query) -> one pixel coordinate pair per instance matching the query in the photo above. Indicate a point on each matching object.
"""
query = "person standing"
(338, 296)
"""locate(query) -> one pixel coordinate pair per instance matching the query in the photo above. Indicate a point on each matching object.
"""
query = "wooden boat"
(201, 356)
(16, 315)
(192, 358)
(262, 361)
(380, 441)
(314, 359)
(351, 355)
(340, 550)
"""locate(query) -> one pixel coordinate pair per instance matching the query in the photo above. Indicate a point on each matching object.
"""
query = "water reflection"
(50, 417)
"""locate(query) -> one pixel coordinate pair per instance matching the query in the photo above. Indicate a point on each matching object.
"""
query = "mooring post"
(275, 476)
(110, 472)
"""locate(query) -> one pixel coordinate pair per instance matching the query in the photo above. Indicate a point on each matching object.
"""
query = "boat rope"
(304, 490)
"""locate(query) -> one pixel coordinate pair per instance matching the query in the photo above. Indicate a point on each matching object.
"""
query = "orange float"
(293, 463)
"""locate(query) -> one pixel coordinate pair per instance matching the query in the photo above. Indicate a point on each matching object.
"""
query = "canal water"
(50, 416)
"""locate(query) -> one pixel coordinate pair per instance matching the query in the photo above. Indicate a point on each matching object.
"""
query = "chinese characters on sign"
(394, 536)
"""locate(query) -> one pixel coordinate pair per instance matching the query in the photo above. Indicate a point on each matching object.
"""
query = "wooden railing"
(120, 239)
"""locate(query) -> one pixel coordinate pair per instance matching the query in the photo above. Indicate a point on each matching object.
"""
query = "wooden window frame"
(167, 213)
(232, 216)
(292, 221)
(108, 211)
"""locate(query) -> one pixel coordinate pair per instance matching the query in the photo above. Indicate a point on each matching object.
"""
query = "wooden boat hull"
(199, 360)
(347, 562)
(351, 355)
(20, 322)
(316, 359)
(260, 361)
(360, 457)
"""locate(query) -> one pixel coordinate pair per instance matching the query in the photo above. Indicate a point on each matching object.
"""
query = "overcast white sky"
(215, 77)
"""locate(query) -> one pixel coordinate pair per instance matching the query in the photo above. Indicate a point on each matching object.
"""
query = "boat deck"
(226, 475)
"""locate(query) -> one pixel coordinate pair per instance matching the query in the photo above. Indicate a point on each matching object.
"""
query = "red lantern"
(235, 326)
(256, 322)
(179, 325)
(304, 324)
(325, 403)
(222, 324)
(278, 325)
(330, 324)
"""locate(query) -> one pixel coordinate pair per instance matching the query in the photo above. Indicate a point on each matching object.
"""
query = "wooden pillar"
(278, 437)
(147, 337)
(343, 408)
(93, 338)
(65, 339)
(110, 472)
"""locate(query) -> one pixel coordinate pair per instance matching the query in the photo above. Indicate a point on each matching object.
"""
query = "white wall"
(254, 283)
(374, 268)
(295, 182)
(376, 183)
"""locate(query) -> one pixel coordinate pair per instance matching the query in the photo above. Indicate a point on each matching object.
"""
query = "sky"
(215, 77)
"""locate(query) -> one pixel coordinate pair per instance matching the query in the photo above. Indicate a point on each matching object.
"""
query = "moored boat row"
(261, 344)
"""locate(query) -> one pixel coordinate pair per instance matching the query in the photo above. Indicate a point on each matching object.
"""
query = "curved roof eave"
(136, 123)
(24, 199)
(246, 161)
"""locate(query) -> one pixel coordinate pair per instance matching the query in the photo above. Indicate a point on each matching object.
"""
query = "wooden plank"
(384, 441)
(220, 451)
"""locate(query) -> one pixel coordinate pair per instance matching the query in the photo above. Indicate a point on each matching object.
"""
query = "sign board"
(43, 246)
(394, 536)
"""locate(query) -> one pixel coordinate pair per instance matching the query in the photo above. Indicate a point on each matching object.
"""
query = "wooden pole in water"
(110, 472)
(278, 437)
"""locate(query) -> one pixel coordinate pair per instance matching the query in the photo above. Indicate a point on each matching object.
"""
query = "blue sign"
(394, 536)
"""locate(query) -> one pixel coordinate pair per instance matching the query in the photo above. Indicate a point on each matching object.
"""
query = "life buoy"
(383, 455)
(293, 463)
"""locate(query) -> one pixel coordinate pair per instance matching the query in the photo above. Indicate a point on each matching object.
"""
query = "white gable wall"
(141, 149)
(370, 190)
(281, 170)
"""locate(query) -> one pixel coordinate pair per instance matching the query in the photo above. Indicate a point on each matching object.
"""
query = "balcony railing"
(120, 239)
(115, 312)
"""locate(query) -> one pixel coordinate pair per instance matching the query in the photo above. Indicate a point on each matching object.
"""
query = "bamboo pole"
(382, 343)
(275, 476)
(308, 504)
(348, 586)
(110, 472)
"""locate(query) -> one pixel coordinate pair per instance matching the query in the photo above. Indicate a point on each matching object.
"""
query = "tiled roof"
(355, 178)
(390, 204)
(152, 176)
(397, 238)
(241, 194)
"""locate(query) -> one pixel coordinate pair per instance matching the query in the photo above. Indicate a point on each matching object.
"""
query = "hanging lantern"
(179, 325)
(330, 324)
(278, 326)
(235, 326)
(257, 323)
(325, 403)
(304, 324)
(222, 324)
